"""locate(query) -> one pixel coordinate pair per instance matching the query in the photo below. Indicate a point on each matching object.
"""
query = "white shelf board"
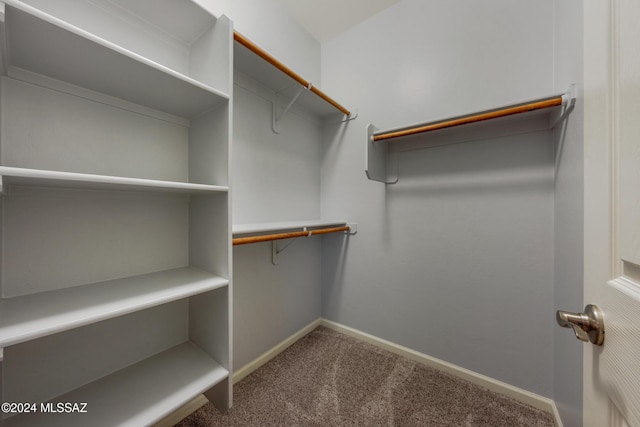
(284, 226)
(47, 178)
(260, 70)
(138, 395)
(33, 316)
(40, 43)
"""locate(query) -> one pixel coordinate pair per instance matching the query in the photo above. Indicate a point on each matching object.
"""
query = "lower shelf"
(138, 395)
(33, 316)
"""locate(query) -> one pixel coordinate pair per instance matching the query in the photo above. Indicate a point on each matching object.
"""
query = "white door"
(612, 209)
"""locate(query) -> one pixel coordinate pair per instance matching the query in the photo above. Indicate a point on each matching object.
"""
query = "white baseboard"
(279, 348)
(183, 412)
(521, 395)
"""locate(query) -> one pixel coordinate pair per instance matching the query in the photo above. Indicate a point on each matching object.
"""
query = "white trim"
(556, 414)
(183, 412)
(521, 395)
(279, 348)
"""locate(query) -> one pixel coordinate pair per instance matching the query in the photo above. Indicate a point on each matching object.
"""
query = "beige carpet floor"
(330, 379)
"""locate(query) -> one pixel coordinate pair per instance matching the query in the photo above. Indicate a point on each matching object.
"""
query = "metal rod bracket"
(275, 252)
(353, 228)
(352, 116)
(275, 124)
(568, 103)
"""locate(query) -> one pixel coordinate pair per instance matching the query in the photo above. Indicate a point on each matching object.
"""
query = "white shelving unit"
(116, 237)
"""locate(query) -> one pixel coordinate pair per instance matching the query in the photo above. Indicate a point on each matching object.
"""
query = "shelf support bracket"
(382, 162)
(275, 124)
(275, 252)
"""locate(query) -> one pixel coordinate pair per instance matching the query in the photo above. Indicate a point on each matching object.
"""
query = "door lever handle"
(588, 326)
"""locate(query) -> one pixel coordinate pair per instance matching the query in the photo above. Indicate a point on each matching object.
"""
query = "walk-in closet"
(192, 191)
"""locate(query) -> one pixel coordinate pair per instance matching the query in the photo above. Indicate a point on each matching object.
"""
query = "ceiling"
(325, 19)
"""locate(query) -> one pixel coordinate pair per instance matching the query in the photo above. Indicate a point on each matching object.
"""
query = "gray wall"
(568, 277)
(456, 260)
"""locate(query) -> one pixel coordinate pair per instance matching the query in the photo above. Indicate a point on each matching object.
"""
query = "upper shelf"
(537, 114)
(45, 45)
(46, 178)
(263, 67)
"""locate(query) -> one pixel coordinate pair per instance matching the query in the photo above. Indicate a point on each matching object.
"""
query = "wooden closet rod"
(536, 105)
(279, 236)
(288, 71)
